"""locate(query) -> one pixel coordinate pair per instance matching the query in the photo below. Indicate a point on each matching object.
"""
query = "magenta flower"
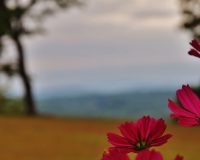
(178, 157)
(149, 155)
(114, 155)
(196, 51)
(189, 115)
(152, 155)
(147, 132)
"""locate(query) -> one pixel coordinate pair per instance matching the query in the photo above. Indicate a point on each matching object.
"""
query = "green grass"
(38, 138)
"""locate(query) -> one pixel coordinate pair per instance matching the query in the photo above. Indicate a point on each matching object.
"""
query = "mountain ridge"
(116, 105)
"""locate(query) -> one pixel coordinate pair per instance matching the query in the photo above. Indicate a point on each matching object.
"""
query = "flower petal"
(130, 131)
(161, 140)
(149, 155)
(188, 122)
(157, 130)
(179, 111)
(114, 155)
(124, 150)
(189, 100)
(194, 43)
(178, 157)
(144, 126)
(193, 52)
(117, 140)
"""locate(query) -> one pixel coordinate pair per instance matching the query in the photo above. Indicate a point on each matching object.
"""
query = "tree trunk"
(28, 97)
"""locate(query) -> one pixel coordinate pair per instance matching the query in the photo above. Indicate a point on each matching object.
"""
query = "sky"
(111, 46)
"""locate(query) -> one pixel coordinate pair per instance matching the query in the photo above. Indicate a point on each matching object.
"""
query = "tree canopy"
(190, 20)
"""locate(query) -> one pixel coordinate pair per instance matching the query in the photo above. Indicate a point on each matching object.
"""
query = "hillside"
(121, 105)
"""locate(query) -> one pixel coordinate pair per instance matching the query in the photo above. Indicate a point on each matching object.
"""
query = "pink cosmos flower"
(147, 132)
(189, 115)
(196, 51)
(149, 155)
(152, 155)
(178, 157)
(114, 155)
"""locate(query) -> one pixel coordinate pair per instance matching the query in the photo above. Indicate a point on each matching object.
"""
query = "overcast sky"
(111, 46)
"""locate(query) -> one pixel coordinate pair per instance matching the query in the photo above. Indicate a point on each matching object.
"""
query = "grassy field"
(45, 138)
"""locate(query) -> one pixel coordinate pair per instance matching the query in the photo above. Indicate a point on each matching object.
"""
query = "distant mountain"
(121, 105)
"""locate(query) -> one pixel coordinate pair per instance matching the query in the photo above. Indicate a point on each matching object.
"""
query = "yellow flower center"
(141, 145)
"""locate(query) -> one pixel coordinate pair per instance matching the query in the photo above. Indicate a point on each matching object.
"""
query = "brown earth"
(48, 138)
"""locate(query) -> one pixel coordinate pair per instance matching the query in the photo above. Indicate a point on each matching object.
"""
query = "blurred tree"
(20, 18)
(190, 10)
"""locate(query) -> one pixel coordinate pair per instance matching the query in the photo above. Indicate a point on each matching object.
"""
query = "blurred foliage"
(9, 105)
(18, 17)
(8, 69)
(190, 10)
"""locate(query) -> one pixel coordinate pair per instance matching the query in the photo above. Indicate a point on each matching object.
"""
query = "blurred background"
(95, 58)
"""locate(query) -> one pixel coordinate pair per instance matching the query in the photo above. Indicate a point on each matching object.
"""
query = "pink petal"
(195, 99)
(114, 155)
(130, 131)
(193, 52)
(123, 149)
(144, 124)
(117, 140)
(178, 157)
(189, 100)
(149, 155)
(177, 110)
(175, 116)
(187, 122)
(157, 130)
(161, 140)
(194, 43)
